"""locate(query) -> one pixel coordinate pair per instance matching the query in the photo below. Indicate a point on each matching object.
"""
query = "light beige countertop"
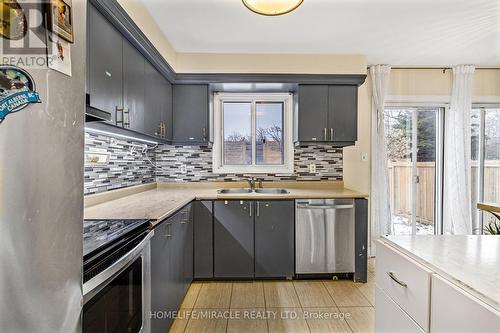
(158, 201)
(472, 262)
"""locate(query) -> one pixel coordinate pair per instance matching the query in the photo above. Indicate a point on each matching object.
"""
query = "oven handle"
(98, 282)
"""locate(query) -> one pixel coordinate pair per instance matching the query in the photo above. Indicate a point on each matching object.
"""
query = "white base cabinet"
(390, 318)
(410, 297)
(453, 310)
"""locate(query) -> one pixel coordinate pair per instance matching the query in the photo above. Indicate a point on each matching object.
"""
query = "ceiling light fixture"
(272, 7)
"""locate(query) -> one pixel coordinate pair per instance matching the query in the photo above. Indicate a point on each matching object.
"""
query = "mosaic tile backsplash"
(198, 161)
(122, 168)
(111, 165)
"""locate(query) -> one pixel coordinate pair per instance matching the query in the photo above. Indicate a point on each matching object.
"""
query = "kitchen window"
(485, 164)
(253, 133)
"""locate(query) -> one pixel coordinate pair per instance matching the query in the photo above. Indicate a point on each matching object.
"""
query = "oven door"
(119, 298)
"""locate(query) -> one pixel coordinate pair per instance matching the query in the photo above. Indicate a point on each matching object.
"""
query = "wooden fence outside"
(400, 182)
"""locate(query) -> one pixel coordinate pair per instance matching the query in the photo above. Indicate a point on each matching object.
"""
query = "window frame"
(218, 167)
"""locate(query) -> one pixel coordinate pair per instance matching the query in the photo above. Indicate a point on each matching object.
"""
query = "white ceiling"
(397, 32)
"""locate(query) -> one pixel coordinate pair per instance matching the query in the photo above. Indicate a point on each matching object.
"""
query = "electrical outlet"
(312, 168)
(183, 168)
(364, 157)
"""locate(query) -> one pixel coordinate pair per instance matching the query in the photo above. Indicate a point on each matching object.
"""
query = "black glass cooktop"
(100, 234)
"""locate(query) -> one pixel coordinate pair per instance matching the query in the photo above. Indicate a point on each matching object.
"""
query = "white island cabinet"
(437, 284)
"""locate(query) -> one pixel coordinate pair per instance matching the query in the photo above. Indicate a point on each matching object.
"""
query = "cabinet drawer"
(405, 281)
(456, 311)
(390, 318)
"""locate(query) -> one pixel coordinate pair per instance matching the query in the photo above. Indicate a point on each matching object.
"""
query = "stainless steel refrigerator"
(41, 198)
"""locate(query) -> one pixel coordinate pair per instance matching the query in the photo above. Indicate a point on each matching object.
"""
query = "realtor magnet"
(17, 90)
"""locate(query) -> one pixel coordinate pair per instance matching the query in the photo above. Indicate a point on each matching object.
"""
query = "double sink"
(276, 191)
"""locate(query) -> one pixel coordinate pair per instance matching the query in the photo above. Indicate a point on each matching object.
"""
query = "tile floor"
(303, 306)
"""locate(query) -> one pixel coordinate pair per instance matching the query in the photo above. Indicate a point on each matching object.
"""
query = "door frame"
(439, 167)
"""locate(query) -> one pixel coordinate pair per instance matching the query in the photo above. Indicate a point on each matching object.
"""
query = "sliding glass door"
(414, 149)
(485, 155)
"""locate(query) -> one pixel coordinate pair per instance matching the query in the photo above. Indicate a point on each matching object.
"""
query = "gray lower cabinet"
(163, 287)
(251, 239)
(233, 239)
(361, 240)
(190, 113)
(203, 240)
(274, 239)
(171, 267)
(105, 62)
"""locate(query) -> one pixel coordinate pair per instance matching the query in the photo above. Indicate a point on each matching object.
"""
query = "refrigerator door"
(41, 194)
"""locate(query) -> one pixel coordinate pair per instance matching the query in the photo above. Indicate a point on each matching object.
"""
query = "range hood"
(93, 114)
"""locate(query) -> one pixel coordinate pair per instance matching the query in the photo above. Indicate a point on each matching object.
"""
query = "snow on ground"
(402, 226)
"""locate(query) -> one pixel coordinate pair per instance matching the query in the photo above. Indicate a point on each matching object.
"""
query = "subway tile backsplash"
(124, 168)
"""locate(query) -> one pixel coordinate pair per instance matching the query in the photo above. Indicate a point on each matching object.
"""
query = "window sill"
(253, 170)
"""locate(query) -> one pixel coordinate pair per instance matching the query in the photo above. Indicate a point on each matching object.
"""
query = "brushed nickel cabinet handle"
(397, 280)
(325, 135)
(204, 133)
(331, 134)
(119, 121)
(168, 234)
(258, 208)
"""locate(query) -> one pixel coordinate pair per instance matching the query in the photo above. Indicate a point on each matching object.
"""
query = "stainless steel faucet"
(251, 183)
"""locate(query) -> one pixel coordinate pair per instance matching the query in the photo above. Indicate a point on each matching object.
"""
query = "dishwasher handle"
(325, 206)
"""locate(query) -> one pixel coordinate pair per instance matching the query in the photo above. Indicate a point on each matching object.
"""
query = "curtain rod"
(442, 68)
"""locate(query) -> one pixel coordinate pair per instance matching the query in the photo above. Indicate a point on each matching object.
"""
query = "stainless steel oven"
(117, 295)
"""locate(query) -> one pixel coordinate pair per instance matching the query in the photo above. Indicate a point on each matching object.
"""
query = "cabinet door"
(453, 310)
(203, 240)
(162, 276)
(274, 238)
(233, 239)
(190, 109)
(361, 240)
(186, 223)
(152, 102)
(389, 317)
(313, 112)
(167, 116)
(105, 74)
(343, 113)
(133, 86)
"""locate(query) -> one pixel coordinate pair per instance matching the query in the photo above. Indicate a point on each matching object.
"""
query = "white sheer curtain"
(457, 150)
(380, 203)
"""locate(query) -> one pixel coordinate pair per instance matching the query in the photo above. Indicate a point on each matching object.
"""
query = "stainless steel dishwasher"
(324, 236)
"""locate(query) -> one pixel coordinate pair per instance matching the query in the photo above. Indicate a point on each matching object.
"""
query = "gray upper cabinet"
(328, 113)
(190, 113)
(233, 239)
(167, 113)
(105, 62)
(153, 101)
(274, 239)
(343, 113)
(133, 87)
(313, 112)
